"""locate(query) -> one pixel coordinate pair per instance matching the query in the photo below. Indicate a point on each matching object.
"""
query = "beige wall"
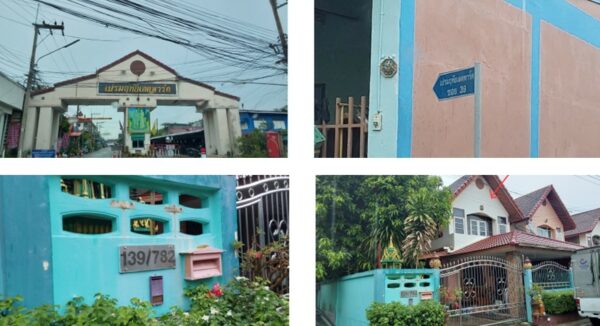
(569, 112)
(454, 34)
(545, 215)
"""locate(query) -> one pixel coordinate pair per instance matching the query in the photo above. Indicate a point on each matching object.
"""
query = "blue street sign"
(43, 153)
(455, 84)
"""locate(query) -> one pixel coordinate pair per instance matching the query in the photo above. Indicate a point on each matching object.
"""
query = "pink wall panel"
(453, 34)
(570, 96)
(587, 6)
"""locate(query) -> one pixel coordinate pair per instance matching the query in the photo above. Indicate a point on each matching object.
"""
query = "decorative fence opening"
(347, 136)
(551, 275)
(481, 291)
(263, 217)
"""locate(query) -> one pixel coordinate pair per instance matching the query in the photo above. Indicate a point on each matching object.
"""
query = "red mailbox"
(274, 144)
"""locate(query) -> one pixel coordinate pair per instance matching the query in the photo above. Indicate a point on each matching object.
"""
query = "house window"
(502, 224)
(545, 232)
(558, 233)
(261, 124)
(483, 229)
(87, 224)
(478, 225)
(137, 140)
(474, 227)
(589, 240)
(278, 124)
(244, 125)
(137, 143)
(459, 220)
(147, 226)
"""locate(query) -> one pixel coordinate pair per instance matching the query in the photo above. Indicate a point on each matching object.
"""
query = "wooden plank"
(363, 129)
(324, 146)
(336, 141)
(349, 128)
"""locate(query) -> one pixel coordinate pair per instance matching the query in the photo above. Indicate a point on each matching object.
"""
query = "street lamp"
(62, 47)
(32, 65)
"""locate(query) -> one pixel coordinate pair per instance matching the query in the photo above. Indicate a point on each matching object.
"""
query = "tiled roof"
(528, 204)
(457, 186)
(584, 222)
(503, 195)
(517, 238)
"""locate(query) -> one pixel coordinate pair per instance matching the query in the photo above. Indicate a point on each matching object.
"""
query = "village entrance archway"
(138, 83)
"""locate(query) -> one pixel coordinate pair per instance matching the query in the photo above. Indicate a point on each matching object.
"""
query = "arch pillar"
(221, 131)
(46, 127)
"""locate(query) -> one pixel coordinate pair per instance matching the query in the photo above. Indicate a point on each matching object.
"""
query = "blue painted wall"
(25, 239)
(83, 265)
(393, 32)
(346, 300)
(247, 118)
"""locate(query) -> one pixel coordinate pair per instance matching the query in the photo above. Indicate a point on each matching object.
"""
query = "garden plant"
(240, 302)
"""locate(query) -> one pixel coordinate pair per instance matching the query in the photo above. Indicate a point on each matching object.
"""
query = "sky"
(100, 45)
(578, 193)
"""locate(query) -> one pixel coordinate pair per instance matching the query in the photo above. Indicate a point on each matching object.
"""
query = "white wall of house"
(473, 201)
(582, 239)
(11, 99)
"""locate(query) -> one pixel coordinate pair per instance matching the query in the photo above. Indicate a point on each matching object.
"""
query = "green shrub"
(559, 302)
(241, 302)
(426, 313)
(253, 144)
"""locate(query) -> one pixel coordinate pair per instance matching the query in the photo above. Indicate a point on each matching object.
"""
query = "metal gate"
(551, 275)
(263, 217)
(479, 291)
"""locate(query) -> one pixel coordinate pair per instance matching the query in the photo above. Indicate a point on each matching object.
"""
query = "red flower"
(216, 290)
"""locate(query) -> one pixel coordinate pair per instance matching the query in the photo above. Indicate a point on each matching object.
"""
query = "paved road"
(104, 152)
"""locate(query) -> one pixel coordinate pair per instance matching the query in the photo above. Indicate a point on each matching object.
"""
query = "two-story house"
(488, 221)
(587, 228)
(544, 214)
(475, 214)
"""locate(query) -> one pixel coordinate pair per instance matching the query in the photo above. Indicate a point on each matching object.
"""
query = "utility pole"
(30, 75)
(282, 38)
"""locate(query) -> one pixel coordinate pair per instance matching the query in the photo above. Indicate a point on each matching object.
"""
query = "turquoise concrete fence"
(56, 256)
(345, 301)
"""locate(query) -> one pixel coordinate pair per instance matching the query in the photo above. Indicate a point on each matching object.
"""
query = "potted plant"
(537, 303)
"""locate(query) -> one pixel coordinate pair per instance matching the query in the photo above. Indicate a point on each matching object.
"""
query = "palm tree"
(419, 227)
(386, 226)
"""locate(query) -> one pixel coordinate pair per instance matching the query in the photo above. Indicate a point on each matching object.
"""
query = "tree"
(419, 227)
(253, 144)
(356, 215)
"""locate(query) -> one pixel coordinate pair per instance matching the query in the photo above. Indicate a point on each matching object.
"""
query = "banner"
(138, 120)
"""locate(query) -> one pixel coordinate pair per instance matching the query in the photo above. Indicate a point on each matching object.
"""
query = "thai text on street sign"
(138, 88)
(43, 153)
(455, 84)
(146, 258)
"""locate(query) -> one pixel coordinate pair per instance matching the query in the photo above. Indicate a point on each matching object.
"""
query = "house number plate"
(408, 294)
(146, 258)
